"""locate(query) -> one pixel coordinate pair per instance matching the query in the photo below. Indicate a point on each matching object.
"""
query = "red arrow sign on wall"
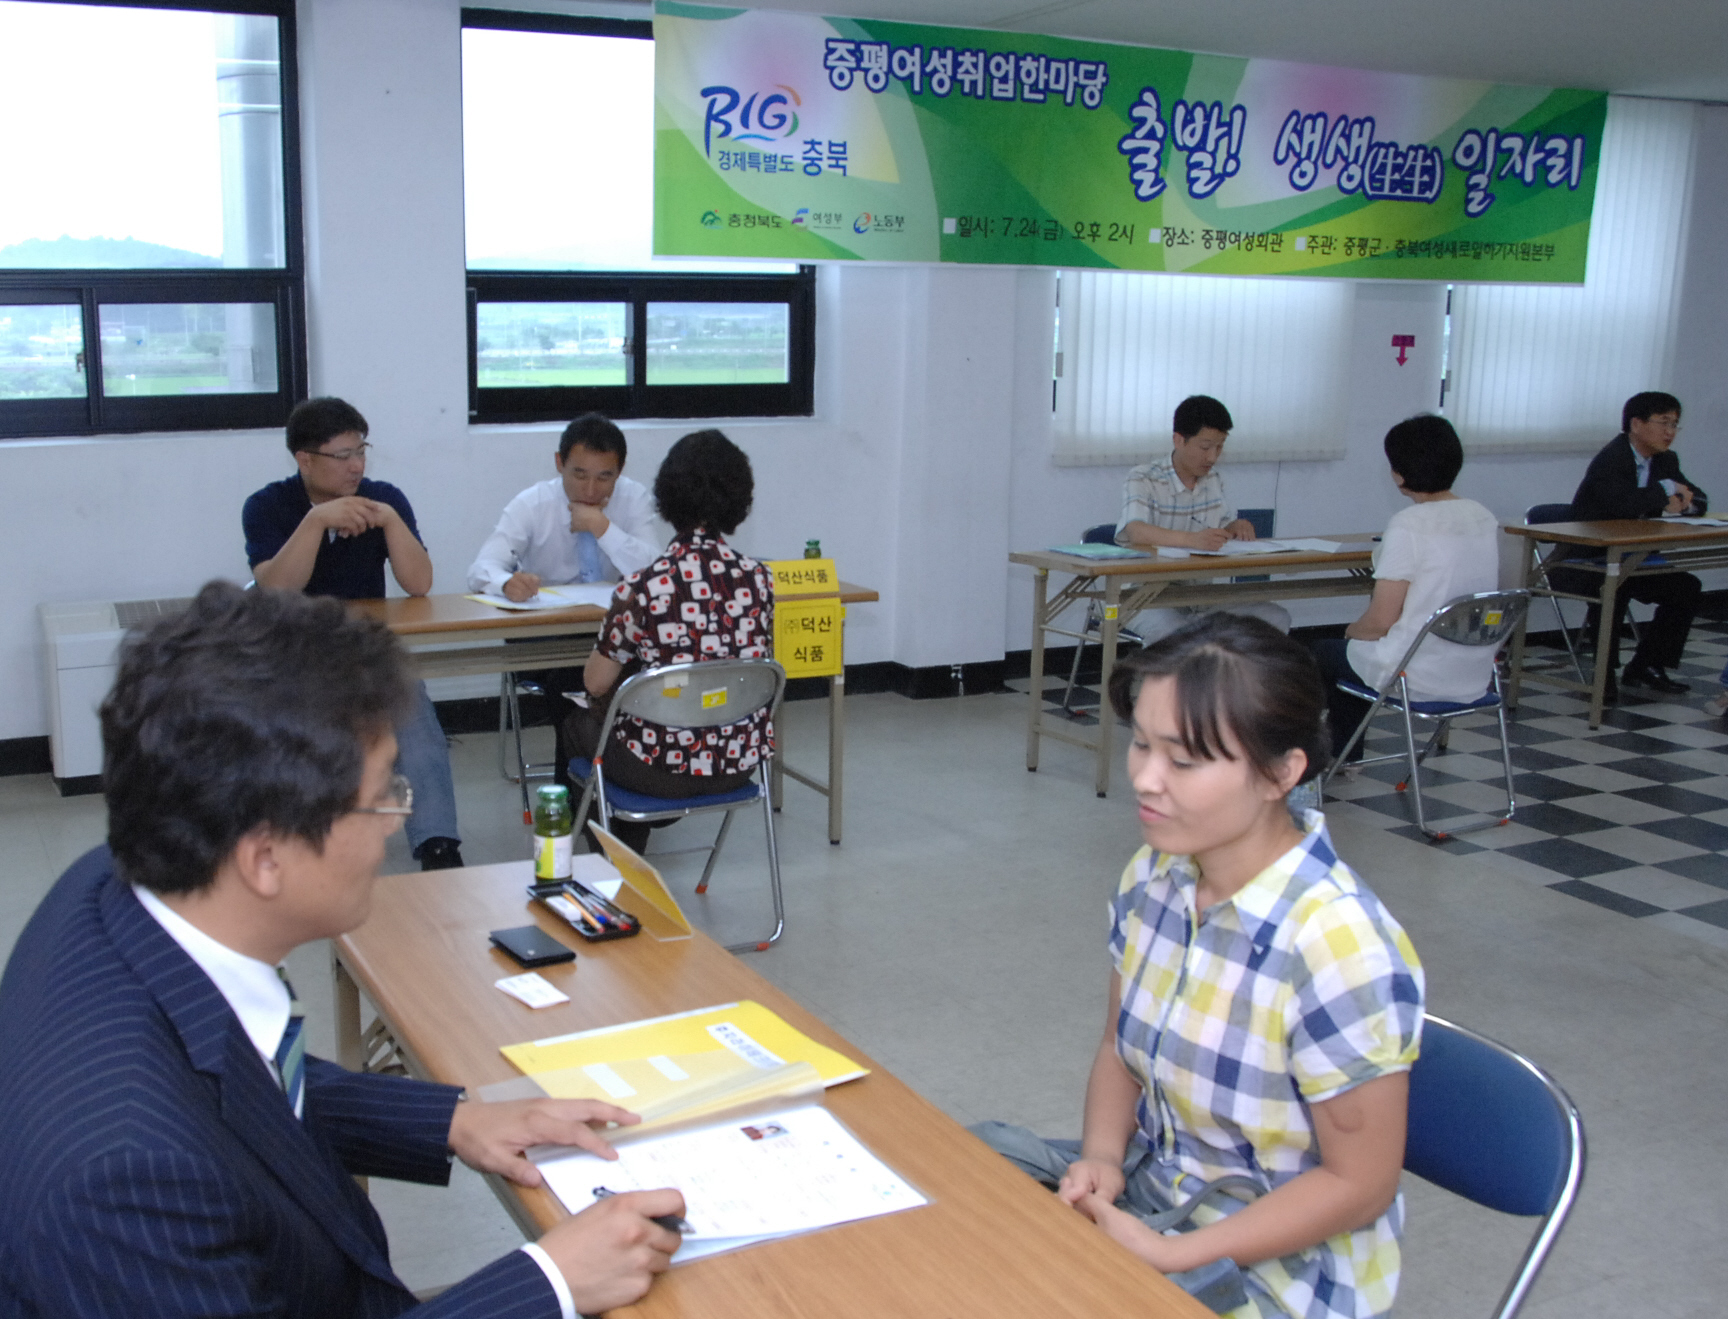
(1403, 343)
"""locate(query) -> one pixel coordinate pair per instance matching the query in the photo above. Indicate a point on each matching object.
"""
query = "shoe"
(1656, 679)
(1717, 706)
(439, 854)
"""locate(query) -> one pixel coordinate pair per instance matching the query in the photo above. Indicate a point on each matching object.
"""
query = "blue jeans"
(1218, 1285)
(423, 756)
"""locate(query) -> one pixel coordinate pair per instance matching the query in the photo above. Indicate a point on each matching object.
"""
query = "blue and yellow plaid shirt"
(1298, 988)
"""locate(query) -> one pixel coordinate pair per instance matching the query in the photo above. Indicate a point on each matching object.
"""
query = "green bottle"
(554, 831)
(812, 549)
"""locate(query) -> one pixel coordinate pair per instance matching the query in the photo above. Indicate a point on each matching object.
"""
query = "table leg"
(1604, 636)
(1106, 717)
(1035, 709)
(836, 752)
(1515, 678)
(350, 1050)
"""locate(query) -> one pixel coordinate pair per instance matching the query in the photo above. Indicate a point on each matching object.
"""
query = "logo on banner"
(802, 218)
(862, 224)
(758, 119)
(710, 220)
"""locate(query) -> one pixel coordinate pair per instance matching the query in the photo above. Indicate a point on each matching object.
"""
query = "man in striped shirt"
(1179, 503)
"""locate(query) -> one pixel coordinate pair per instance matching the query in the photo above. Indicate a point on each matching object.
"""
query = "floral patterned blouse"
(700, 600)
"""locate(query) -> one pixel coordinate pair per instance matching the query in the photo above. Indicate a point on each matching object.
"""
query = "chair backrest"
(1261, 519)
(1102, 534)
(1488, 1124)
(1486, 619)
(705, 695)
(1537, 514)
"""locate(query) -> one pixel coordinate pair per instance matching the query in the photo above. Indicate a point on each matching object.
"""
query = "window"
(1131, 346)
(568, 308)
(150, 276)
(1536, 367)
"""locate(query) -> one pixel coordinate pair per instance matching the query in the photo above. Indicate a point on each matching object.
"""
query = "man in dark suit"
(166, 1146)
(1637, 475)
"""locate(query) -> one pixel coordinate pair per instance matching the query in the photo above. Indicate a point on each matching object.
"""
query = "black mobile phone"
(529, 945)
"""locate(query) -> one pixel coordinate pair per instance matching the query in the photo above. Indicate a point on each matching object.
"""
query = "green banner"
(806, 138)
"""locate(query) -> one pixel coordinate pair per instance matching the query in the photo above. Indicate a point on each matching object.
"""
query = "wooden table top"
(409, 616)
(1216, 564)
(1620, 533)
(991, 1242)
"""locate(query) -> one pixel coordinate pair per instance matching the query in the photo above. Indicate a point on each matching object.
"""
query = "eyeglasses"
(343, 455)
(400, 793)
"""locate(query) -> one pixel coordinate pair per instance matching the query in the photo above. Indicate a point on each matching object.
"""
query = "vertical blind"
(1135, 345)
(1548, 368)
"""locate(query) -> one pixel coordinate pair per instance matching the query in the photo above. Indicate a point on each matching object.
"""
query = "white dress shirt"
(258, 996)
(533, 535)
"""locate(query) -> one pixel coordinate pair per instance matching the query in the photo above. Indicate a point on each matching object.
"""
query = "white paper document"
(598, 594)
(1700, 521)
(744, 1180)
(1302, 545)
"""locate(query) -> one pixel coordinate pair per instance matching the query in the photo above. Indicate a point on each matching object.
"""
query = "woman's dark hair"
(315, 421)
(250, 708)
(1425, 451)
(1238, 674)
(705, 483)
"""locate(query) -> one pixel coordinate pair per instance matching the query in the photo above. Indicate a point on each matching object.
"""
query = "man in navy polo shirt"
(327, 530)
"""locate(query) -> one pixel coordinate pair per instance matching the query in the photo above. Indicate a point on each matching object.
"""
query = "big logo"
(759, 119)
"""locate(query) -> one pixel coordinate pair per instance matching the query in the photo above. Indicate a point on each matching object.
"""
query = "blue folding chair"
(1488, 1124)
(712, 694)
(1487, 619)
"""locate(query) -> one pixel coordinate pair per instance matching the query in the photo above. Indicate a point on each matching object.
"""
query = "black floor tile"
(1658, 770)
(1707, 869)
(1558, 819)
(1669, 798)
(1602, 897)
(1453, 846)
(1630, 721)
(1714, 913)
(1565, 857)
(1532, 758)
(1393, 804)
(1544, 788)
(1522, 735)
(1635, 744)
(1685, 829)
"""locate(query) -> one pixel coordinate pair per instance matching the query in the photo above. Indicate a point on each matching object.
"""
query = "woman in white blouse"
(1440, 548)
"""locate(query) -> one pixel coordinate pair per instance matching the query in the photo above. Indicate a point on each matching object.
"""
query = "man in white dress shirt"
(590, 523)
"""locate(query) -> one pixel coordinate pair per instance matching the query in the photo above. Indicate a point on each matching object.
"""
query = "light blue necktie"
(588, 555)
(291, 1053)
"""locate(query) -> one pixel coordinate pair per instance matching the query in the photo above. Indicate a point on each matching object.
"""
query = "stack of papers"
(1100, 551)
(1237, 548)
(598, 594)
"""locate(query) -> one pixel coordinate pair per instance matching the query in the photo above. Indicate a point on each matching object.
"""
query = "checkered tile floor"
(1632, 816)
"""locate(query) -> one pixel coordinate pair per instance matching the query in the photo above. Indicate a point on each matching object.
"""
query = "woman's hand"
(1091, 1178)
(1161, 1252)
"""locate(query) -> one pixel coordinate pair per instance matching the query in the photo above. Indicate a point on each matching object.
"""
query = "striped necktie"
(291, 1053)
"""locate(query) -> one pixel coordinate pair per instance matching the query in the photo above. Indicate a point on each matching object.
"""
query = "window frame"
(282, 288)
(636, 289)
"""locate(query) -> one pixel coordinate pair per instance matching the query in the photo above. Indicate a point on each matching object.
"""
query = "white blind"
(1135, 345)
(1548, 368)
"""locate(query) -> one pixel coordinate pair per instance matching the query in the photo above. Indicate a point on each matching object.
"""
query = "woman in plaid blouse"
(1264, 1007)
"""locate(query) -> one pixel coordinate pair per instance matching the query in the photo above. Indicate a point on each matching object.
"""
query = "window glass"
(717, 343)
(157, 348)
(538, 344)
(558, 154)
(139, 138)
(41, 351)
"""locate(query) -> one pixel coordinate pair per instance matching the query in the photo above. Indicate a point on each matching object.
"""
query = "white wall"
(927, 461)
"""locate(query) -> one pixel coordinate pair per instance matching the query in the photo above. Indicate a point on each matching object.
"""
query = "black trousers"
(551, 709)
(1662, 641)
(1343, 711)
(581, 733)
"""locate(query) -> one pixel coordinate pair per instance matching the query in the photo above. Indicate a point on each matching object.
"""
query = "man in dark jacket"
(1636, 475)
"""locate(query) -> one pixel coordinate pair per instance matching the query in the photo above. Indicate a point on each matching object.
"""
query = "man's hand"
(351, 515)
(521, 587)
(1241, 529)
(1212, 538)
(1088, 1177)
(1682, 498)
(610, 1252)
(491, 1137)
(590, 518)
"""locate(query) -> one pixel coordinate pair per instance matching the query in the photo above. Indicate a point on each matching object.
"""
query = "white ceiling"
(1675, 48)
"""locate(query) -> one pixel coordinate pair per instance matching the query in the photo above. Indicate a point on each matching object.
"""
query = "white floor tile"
(1638, 845)
(1657, 887)
(1621, 810)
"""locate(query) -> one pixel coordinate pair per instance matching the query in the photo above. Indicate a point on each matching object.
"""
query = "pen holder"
(595, 918)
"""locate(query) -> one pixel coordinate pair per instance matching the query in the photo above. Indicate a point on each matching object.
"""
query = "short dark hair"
(1642, 407)
(316, 420)
(1425, 451)
(1240, 674)
(593, 431)
(705, 482)
(250, 708)
(1197, 412)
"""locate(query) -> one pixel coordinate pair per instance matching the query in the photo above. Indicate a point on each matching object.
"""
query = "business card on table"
(533, 989)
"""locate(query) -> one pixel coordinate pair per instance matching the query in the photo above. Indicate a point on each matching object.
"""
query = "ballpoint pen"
(671, 1222)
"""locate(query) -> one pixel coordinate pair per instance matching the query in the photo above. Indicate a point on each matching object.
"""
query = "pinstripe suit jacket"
(150, 1164)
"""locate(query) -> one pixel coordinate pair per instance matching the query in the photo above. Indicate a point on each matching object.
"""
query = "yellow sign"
(715, 699)
(807, 637)
(804, 577)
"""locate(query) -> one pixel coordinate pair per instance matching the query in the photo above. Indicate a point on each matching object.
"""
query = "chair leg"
(505, 687)
(773, 879)
(1505, 751)
(1566, 636)
(1339, 760)
(1414, 783)
(1074, 669)
(714, 852)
